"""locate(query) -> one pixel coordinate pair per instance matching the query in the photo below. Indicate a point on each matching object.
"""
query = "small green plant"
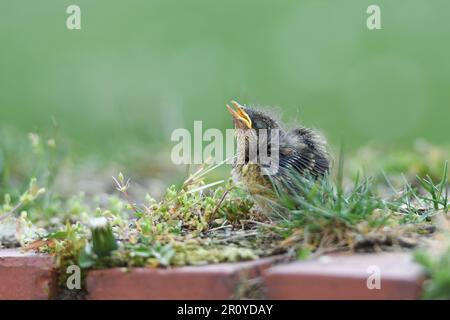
(41, 157)
(319, 214)
(28, 197)
(66, 244)
(438, 270)
(438, 192)
(196, 223)
(101, 246)
(103, 240)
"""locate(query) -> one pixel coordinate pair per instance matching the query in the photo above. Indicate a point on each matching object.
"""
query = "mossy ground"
(202, 220)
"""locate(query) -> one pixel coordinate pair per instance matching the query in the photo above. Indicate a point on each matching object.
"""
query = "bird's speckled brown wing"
(302, 151)
(304, 163)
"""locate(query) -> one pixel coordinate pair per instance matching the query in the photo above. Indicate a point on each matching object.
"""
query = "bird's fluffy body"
(301, 151)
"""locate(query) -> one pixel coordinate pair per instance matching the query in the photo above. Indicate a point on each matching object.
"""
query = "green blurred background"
(139, 69)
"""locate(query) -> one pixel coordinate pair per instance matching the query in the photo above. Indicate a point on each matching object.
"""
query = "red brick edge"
(215, 281)
(26, 276)
(346, 277)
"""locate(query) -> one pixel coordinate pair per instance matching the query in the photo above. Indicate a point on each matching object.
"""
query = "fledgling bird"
(301, 151)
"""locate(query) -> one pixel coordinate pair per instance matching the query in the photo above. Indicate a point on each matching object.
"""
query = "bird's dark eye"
(262, 124)
(257, 124)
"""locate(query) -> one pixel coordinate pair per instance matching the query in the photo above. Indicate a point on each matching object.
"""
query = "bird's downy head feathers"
(246, 118)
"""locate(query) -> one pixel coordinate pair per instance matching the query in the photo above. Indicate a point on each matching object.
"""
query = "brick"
(26, 276)
(215, 281)
(345, 277)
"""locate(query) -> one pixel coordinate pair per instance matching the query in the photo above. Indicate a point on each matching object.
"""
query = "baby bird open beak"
(240, 115)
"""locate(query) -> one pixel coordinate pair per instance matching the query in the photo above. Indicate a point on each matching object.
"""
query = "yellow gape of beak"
(240, 114)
